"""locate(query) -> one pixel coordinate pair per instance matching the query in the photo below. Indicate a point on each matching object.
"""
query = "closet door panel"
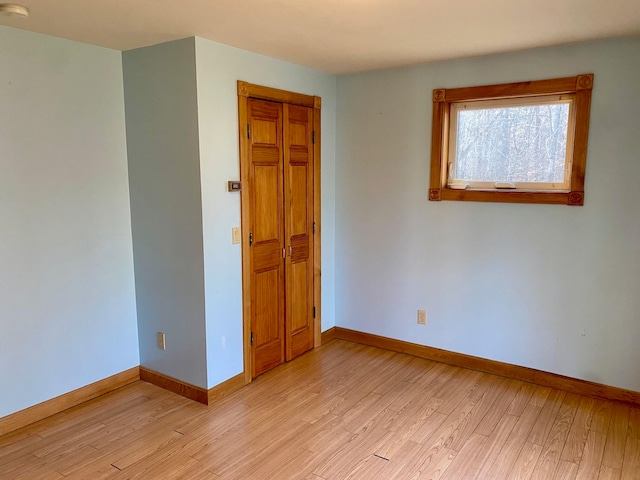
(266, 235)
(298, 197)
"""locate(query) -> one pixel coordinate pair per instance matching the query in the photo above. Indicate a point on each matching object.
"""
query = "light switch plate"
(235, 235)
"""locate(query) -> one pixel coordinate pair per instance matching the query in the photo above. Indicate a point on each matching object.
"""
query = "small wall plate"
(234, 185)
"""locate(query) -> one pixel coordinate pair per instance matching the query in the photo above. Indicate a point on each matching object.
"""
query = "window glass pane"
(512, 144)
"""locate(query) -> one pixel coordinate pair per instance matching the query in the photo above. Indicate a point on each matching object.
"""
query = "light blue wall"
(166, 211)
(549, 287)
(218, 69)
(182, 134)
(67, 305)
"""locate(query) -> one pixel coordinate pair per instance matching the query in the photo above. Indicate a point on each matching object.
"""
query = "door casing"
(245, 91)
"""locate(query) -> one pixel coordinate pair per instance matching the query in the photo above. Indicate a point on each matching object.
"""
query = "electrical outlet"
(162, 341)
(422, 317)
(235, 235)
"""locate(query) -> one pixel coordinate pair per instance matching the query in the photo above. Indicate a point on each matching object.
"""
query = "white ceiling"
(337, 36)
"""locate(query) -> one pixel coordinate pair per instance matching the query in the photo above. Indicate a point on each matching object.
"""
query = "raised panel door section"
(267, 226)
(267, 328)
(267, 230)
(298, 177)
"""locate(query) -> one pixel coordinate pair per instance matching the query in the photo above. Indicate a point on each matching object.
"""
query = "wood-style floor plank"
(602, 413)
(343, 411)
(491, 391)
(579, 432)
(634, 423)
(547, 417)
(509, 454)
(494, 446)
(566, 471)
(522, 399)
(616, 436)
(497, 412)
(556, 439)
(592, 456)
(526, 462)
(607, 473)
(631, 462)
(468, 460)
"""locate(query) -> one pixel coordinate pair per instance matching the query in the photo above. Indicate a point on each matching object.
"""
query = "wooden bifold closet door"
(279, 182)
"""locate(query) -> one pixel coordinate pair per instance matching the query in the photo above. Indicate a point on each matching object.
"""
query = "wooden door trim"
(245, 91)
(259, 92)
(245, 221)
(317, 301)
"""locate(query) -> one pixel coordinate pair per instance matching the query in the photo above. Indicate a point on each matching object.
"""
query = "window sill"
(508, 196)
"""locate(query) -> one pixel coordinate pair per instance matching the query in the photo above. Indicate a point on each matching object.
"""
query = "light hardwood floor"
(341, 411)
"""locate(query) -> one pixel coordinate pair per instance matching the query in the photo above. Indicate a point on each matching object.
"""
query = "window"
(518, 142)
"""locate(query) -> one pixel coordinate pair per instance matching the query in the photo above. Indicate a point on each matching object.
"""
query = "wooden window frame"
(579, 87)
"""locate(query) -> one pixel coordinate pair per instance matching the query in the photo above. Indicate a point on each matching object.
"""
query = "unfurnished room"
(249, 240)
